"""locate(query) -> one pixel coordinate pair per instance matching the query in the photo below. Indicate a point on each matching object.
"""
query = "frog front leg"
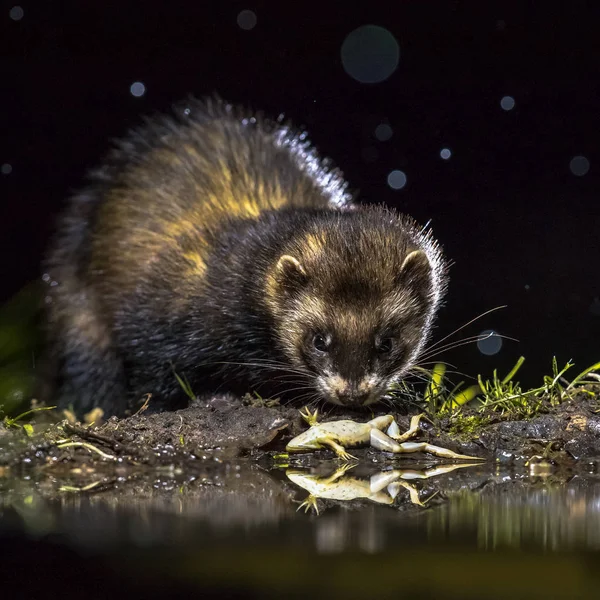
(337, 448)
(384, 442)
(310, 502)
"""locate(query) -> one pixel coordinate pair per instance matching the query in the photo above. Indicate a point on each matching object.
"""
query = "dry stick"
(90, 447)
(115, 445)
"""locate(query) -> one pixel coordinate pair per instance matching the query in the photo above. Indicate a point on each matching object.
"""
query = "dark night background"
(520, 226)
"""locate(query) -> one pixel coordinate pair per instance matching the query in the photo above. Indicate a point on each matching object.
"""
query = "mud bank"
(225, 429)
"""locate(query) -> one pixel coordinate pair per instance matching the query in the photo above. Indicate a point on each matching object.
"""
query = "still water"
(234, 530)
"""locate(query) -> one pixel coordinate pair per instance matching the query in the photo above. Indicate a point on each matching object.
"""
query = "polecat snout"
(217, 244)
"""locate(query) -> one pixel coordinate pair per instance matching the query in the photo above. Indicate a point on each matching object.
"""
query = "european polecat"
(218, 245)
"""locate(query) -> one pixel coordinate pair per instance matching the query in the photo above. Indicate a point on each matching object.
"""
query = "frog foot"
(309, 504)
(394, 488)
(345, 455)
(310, 417)
(394, 431)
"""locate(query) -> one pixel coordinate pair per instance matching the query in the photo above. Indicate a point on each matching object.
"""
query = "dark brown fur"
(219, 245)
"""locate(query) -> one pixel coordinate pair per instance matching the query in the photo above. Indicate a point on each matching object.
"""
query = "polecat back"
(217, 244)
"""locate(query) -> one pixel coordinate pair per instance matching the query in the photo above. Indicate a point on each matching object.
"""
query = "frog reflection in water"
(382, 487)
(338, 434)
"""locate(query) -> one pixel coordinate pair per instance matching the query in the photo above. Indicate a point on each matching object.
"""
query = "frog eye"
(384, 345)
(321, 342)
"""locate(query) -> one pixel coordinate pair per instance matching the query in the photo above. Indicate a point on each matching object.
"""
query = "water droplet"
(383, 132)
(397, 179)
(579, 165)
(16, 13)
(489, 343)
(507, 103)
(370, 54)
(445, 153)
(137, 89)
(247, 20)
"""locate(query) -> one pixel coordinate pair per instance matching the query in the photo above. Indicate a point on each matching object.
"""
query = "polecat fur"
(216, 244)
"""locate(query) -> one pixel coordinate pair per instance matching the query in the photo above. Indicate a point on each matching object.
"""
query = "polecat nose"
(353, 397)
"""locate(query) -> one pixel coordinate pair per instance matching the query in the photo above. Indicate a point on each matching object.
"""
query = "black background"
(520, 227)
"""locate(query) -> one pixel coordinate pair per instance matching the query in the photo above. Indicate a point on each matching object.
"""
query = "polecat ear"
(416, 272)
(290, 273)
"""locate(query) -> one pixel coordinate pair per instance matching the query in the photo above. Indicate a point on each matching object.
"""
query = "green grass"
(505, 395)
(184, 384)
(27, 427)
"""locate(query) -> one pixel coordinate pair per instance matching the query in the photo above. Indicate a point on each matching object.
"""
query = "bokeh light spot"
(489, 342)
(445, 153)
(6, 169)
(16, 13)
(383, 132)
(370, 54)
(246, 20)
(595, 307)
(397, 179)
(137, 89)
(507, 103)
(579, 165)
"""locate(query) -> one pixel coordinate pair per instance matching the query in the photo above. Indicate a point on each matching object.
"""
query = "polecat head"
(354, 297)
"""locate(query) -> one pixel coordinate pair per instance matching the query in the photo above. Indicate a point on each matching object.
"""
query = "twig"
(89, 447)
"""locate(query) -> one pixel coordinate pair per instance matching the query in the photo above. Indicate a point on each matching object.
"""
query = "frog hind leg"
(394, 431)
(384, 442)
(394, 488)
(435, 450)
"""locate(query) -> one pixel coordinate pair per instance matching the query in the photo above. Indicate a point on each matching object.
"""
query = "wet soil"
(227, 427)
(203, 499)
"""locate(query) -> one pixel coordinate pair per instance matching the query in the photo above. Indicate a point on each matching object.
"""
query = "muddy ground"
(232, 450)
(227, 427)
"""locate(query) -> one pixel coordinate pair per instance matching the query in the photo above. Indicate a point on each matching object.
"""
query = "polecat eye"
(384, 345)
(321, 342)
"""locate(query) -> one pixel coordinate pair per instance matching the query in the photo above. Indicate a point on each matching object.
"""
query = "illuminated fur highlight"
(210, 242)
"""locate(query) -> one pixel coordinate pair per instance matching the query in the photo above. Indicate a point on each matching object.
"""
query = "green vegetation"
(504, 396)
(27, 427)
(184, 383)
(20, 348)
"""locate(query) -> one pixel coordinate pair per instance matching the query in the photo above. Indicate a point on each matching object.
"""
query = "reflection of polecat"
(219, 245)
